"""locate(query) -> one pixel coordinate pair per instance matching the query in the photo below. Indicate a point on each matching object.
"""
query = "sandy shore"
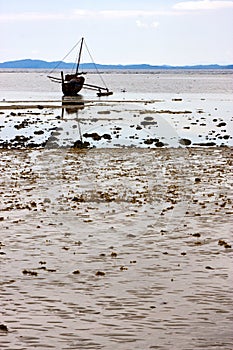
(116, 248)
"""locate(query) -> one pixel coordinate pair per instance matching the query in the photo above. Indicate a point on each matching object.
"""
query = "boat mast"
(79, 56)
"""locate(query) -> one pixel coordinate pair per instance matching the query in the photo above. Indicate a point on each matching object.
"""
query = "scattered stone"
(221, 124)
(28, 272)
(123, 268)
(106, 136)
(81, 144)
(3, 328)
(94, 136)
(205, 144)
(113, 254)
(185, 142)
(159, 144)
(221, 242)
(227, 245)
(196, 235)
(148, 118)
(100, 273)
(39, 132)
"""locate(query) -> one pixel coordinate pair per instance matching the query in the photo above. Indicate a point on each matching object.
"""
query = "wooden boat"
(72, 84)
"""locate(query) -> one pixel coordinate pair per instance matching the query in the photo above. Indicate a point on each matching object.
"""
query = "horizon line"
(114, 64)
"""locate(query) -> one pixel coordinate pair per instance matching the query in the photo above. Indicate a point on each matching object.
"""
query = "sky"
(157, 32)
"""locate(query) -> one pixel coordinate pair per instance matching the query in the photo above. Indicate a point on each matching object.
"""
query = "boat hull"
(72, 86)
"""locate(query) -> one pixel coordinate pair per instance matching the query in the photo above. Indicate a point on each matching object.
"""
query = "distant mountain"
(39, 64)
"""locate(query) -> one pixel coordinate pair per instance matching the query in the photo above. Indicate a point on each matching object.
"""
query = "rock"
(80, 144)
(123, 268)
(221, 242)
(94, 136)
(159, 144)
(185, 142)
(39, 132)
(221, 124)
(196, 235)
(227, 245)
(28, 272)
(3, 328)
(100, 273)
(106, 136)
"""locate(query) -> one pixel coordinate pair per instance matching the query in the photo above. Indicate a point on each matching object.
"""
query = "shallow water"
(29, 82)
(162, 106)
(127, 245)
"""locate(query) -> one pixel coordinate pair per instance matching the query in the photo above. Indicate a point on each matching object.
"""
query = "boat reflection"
(72, 104)
(71, 107)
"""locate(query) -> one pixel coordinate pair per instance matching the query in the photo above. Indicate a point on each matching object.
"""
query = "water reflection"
(72, 104)
(114, 124)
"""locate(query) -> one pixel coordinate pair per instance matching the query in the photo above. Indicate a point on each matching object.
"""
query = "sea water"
(193, 105)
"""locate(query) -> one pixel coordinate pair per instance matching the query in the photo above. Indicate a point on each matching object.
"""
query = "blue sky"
(175, 32)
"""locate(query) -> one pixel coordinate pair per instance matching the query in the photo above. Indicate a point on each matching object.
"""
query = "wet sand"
(146, 123)
(116, 248)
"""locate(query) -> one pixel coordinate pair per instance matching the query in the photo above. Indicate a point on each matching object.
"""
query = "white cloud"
(203, 5)
(83, 14)
(129, 13)
(30, 16)
(143, 24)
(154, 24)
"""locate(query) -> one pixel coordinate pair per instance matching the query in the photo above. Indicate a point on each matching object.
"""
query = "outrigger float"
(73, 83)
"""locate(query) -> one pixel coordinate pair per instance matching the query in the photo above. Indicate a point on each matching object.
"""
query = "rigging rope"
(59, 63)
(95, 65)
(65, 57)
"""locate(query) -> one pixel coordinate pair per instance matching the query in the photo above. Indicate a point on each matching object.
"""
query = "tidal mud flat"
(145, 123)
(116, 248)
(116, 216)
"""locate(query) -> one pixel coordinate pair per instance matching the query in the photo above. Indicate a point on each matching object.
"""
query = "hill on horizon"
(40, 64)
